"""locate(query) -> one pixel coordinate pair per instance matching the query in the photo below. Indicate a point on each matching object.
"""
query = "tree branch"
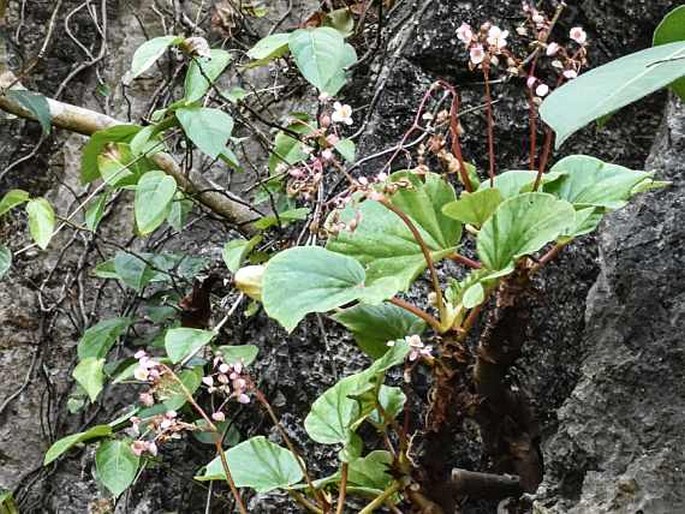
(86, 122)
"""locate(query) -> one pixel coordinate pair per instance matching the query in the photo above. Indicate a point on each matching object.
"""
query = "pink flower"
(465, 33)
(570, 74)
(219, 416)
(522, 31)
(418, 349)
(332, 139)
(530, 82)
(363, 181)
(138, 447)
(139, 354)
(556, 63)
(243, 398)
(477, 54)
(538, 18)
(578, 35)
(552, 49)
(342, 114)
(208, 381)
(542, 90)
(224, 368)
(152, 448)
(327, 155)
(497, 37)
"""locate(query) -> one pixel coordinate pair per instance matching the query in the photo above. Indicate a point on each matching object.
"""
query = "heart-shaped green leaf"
(309, 279)
(670, 30)
(12, 199)
(383, 243)
(154, 193)
(374, 325)
(520, 226)
(89, 374)
(203, 72)
(257, 463)
(147, 53)
(41, 221)
(182, 342)
(474, 208)
(100, 338)
(268, 48)
(209, 129)
(116, 465)
(61, 446)
(587, 181)
(607, 88)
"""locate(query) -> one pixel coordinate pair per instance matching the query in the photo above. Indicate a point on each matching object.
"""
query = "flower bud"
(249, 281)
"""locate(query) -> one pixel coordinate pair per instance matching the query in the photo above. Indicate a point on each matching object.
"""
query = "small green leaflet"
(36, 103)
(235, 251)
(62, 445)
(12, 199)
(41, 221)
(244, 353)
(183, 342)
(89, 374)
(322, 56)
(116, 465)
(587, 181)
(90, 169)
(95, 211)
(374, 325)
(154, 194)
(347, 149)
(520, 226)
(99, 339)
(302, 280)
(132, 270)
(201, 69)
(474, 208)
(608, 88)
(5, 260)
(672, 29)
(257, 463)
(209, 129)
(147, 53)
(268, 48)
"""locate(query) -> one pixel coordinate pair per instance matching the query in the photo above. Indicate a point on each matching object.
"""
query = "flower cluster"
(417, 348)
(319, 144)
(152, 432)
(148, 369)
(229, 380)
(484, 45)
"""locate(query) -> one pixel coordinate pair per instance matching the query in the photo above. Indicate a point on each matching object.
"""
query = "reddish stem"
(491, 125)
(416, 311)
(462, 259)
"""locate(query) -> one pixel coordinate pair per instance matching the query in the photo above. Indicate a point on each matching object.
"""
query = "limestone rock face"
(605, 355)
(619, 444)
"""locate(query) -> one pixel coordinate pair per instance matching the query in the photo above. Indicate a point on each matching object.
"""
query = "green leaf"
(116, 465)
(209, 129)
(520, 226)
(178, 212)
(41, 221)
(347, 149)
(229, 433)
(95, 211)
(672, 29)
(322, 55)
(147, 53)
(610, 87)
(244, 353)
(36, 103)
(235, 251)
(12, 199)
(283, 218)
(374, 325)
(385, 245)
(287, 149)
(474, 208)
(257, 463)
(473, 296)
(587, 181)
(173, 396)
(333, 414)
(5, 260)
(99, 339)
(90, 169)
(61, 446)
(154, 193)
(309, 279)
(392, 399)
(341, 20)
(89, 374)
(132, 270)
(182, 342)
(511, 183)
(372, 473)
(269, 48)
(203, 68)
